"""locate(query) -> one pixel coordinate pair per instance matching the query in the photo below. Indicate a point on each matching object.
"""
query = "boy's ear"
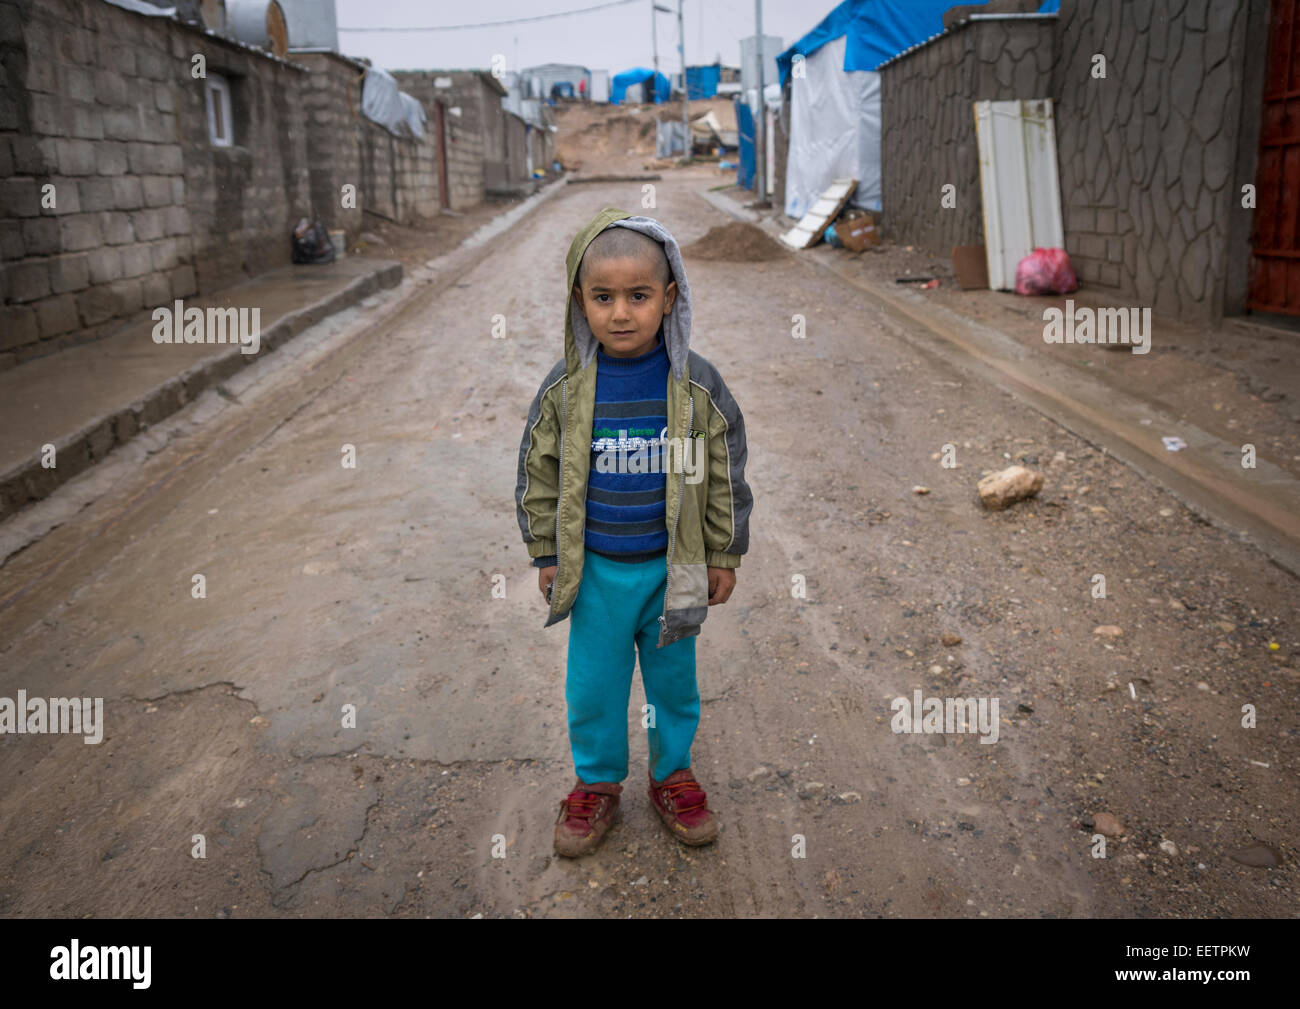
(670, 296)
(577, 294)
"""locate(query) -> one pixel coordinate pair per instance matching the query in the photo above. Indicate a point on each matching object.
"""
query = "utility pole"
(760, 117)
(681, 51)
(654, 38)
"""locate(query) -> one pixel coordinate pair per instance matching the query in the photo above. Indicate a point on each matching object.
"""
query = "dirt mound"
(735, 243)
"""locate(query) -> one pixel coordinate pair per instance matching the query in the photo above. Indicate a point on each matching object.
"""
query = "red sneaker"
(684, 807)
(585, 816)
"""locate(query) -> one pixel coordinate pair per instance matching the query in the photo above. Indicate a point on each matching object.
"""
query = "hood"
(580, 344)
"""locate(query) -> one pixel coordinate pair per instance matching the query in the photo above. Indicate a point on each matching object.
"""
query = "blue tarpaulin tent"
(702, 82)
(874, 30)
(639, 75)
(877, 30)
(745, 132)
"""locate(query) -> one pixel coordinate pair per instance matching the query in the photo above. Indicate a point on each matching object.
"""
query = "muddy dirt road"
(328, 586)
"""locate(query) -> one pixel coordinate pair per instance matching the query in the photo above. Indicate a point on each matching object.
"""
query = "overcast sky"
(613, 39)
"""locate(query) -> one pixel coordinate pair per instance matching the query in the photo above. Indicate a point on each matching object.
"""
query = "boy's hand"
(545, 576)
(721, 582)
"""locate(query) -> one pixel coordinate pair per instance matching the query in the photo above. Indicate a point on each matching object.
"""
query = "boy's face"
(624, 302)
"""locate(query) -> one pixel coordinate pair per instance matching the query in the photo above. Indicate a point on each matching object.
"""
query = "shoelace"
(583, 807)
(673, 791)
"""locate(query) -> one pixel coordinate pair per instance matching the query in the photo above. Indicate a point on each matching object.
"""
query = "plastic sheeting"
(669, 138)
(745, 129)
(876, 30)
(834, 132)
(383, 102)
(639, 75)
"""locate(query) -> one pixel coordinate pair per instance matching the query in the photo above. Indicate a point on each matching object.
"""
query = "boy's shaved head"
(624, 243)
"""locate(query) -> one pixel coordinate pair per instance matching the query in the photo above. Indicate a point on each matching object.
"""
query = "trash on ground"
(1174, 443)
(971, 264)
(1046, 271)
(828, 206)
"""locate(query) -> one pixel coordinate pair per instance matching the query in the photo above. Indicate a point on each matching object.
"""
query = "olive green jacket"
(707, 499)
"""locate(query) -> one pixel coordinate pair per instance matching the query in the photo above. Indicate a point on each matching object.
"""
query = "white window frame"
(217, 90)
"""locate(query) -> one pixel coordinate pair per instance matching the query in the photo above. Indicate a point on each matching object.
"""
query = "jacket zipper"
(559, 501)
(672, 533)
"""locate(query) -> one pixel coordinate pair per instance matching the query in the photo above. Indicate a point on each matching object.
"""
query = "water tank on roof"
(313, 24)
(258, 23)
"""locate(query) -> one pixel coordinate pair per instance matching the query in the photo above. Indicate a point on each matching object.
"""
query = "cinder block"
(170, 160)
(110, 88)
(104, 264)
(65, 196)
(86, 121)
(80, 232)
(148, 224)
(183, 284)
(76, 157)
(34, 155)
(11, 238)
(77, 82)
(156, 289)
(116, 227)
(129, 294)
(127, 194)
(122, 123)
(19, 198)
(96, 194)
(28, 280)
(57, 315)
(40, 237)
(177, 220)
(137, 260)
(18, 326)
(164, 254)
(163, 99)
(157, 190)
(69, 273)
(96, 305)
(110, 158)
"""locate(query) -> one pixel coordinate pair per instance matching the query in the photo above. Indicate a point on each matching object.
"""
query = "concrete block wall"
(244, 200)
(331, 98)
(928, 137)
(89, 108)
(473, 135)
(101, 104)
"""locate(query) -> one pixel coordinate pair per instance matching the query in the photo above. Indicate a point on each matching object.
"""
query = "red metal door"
(1275, 267)
(440, 131)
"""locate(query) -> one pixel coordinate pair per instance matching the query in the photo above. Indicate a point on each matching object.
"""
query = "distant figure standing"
(582, 89)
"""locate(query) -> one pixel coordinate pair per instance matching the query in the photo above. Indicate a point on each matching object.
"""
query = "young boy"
(632, 502)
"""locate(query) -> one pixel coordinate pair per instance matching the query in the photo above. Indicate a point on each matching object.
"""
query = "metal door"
(1275, 265)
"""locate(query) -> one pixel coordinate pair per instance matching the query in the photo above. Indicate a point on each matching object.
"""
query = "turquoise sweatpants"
(615, 616)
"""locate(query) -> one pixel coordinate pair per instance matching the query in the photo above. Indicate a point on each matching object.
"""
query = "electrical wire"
(495, 24)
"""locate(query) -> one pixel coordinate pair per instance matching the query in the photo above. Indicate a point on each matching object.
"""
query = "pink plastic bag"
(1046, 271)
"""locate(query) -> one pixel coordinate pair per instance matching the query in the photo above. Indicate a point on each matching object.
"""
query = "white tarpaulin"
(834, 131)
(383, 102)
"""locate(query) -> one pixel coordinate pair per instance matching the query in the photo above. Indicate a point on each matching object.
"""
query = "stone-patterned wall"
(1148, 155)
(331, 97)
(928, 136)
(89, 107)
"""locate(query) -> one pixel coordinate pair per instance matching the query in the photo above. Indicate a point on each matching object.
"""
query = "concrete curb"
(27, 482)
